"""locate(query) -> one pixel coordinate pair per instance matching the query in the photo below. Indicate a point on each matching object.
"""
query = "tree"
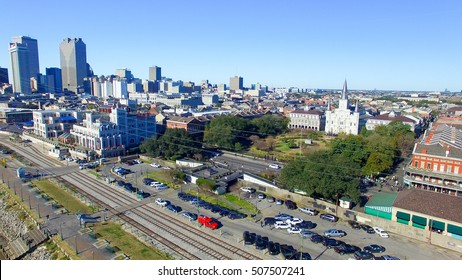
(271, 125)
(174, 144)
(226, 131)
(206, 184)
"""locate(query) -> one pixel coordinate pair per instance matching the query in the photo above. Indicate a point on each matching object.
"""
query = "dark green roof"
(382, 199)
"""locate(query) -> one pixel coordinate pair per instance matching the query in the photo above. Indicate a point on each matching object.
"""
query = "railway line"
(165, 229)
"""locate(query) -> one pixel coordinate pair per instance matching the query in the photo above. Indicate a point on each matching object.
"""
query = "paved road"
(246, 164)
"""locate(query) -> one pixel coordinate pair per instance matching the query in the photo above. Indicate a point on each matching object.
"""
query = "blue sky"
(406, 45)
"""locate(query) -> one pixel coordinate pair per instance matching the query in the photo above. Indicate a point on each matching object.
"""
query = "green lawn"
(161, 176)
(128, 243)
(242, 203)
(71, 203)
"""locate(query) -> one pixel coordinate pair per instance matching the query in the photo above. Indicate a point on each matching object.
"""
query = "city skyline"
(387, 46)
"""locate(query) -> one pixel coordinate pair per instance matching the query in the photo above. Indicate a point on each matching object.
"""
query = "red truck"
(208, 222)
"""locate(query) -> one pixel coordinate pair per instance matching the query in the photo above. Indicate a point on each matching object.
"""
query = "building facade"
(53, 123)
(386, 119)
(4, 76)
(19, 57)
(73, 56)
(54, 82)
(155, 73)
(436, 163)
(32, 47)
(343, 120)
(236, 83)
(307, 119)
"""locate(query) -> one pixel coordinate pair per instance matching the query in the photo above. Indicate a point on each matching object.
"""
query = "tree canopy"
(173, 144)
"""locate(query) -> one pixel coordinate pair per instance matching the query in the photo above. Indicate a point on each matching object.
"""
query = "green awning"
(436, 225)
(403, 216)
(455, 229)
(419, 220)
(418, 225)
(406, 222)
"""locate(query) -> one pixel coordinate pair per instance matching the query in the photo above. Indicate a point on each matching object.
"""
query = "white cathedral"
(343, 119)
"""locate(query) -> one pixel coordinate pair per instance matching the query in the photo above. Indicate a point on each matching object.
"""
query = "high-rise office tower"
(155, 73)
(20, 68)
(54, 80)
(236, 83)
(73, 53)
(32, 46)
(4, 76)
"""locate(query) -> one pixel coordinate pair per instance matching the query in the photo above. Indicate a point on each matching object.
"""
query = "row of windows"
(437, 167)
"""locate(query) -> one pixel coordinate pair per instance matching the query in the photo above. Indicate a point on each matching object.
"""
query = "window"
(449, 169)
(429, 166)
(456, 169)
(416, 163)
(422, 164)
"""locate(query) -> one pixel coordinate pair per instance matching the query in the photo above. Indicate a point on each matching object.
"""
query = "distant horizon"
(389, 46)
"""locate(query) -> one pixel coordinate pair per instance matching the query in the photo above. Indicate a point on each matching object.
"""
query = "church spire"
(345, 89)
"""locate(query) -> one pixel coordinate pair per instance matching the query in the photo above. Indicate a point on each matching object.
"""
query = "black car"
(120, 183)
(367, 229)
(148, 181)
(331, 242)
(354, 225)
(346, 249)
(288, 251)
(374, 248)
(362, 255)
(268, 221)
(290, 205)
(215, 209)
(224, 212)
(261, 242)
(249, 238)
(274, 248)
(302, 256)
(143, 194)
(316, 238)
(128, 187)
(306, 225)
(233, 215)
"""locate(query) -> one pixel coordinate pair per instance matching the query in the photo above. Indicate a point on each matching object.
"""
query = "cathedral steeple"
(345, 89)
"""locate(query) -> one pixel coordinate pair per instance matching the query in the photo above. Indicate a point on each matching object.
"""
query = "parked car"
(147, 181)
(374, 248)
(270, 199)
(381, 232)
(346, 249)
(190, 216)
(329, 217)
(137, 161)
(281, 225)
(293, 230)
(302, 256)
(367, 229)
(208, 222)
(268, 221)
(331, 242)
(316, 238)
(362, 255)
(354, 224)
(279, 201)
(161, 187)
(334, 233)
(287, 251)
(248, 189)
(306, 233)
(155, 165)
(307, 225)
(233, 215)
(261, 196)
(294, 221)
(174, 208)
(290, 205)
(142, 194)
(309, 211)
(274, 248)
(249, 237)
(162, 202)
(387, 258)
(283, 217)
(261, 242)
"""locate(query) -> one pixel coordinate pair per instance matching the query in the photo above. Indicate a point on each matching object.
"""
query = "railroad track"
(171, 226)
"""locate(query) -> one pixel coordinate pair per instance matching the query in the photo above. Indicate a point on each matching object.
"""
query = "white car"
(155, 165)
(381, 232)
(274, 166)
(248, 189)
(138, 161)
(155, 184)
(294, 221)
(162, 202)
(309, 211)
(281, 225)
(293, 230)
